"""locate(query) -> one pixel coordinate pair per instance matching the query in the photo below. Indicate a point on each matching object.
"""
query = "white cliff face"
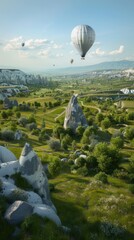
(74, 115)
(16, 76)
(30, 167)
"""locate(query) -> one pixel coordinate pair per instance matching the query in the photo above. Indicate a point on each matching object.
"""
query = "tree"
(108, 157)
(80, 130)
(4, 115)
(129, 134)
(7, 135)
(31, 119)
(58, 130)
(54, 167)
(106, 123)
(99, 117)
(23, 121)
(130, 116)
(118, 142)
(18, 114)
(101, 176)
(54, 144)
(31, 126)
(43, 124)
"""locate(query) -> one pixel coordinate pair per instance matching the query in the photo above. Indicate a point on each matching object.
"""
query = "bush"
(7, 135)
(54, 167)
(108, 157)
(31, 126)
(21, 182)
(83, 171)
(120, 173)
(23, 121)
(118, 142)
(17, 194)
(131, 188)
(54, 145)
(80, 161)
(101, 176)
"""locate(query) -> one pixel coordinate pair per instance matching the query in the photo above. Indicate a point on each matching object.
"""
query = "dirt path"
(99, 110)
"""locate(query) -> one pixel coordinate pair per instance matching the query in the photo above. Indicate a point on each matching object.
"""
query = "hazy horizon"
(45, 27)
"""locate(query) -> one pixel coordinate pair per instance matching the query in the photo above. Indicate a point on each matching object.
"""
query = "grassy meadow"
(93, 210)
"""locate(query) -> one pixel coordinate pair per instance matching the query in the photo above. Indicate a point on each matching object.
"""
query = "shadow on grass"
(73, 217)
(78, 179)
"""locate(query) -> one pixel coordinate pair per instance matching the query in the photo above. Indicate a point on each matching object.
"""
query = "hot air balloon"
(71, 61)
(83, 37)
(23, 44)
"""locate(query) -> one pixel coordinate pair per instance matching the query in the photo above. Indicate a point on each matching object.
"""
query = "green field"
(93, 210)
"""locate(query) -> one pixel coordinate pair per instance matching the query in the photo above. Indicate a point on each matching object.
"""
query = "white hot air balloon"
(83, 37)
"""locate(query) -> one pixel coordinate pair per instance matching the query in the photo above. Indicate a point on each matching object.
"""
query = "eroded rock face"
(25, 203)
(74, 115)
(32, 169)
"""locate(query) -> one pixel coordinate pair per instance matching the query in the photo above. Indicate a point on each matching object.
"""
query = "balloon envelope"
(23, 44)
(83, 37)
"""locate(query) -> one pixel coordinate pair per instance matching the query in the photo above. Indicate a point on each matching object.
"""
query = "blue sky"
(45, 26)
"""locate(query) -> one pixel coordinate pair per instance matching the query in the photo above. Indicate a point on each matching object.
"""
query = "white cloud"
(45, 53)
(56, 46)
(118, 51)
(58, 55)
(15, 44)
(99, 52)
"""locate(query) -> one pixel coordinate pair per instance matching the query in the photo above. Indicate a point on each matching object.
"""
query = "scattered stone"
(44, 210)
(18, 211)
(6, 155)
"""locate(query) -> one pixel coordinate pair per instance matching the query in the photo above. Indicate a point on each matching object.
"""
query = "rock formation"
(74, 115)
(25, 203)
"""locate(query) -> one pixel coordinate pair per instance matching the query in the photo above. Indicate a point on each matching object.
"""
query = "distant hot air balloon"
(83, 37)
(23, 44)
(71, 61)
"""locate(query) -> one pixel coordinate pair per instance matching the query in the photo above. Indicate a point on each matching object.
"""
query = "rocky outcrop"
(18, 211)
(16, 76)
(32, 169)
(6, 155)
(25, 203)
(74, 116)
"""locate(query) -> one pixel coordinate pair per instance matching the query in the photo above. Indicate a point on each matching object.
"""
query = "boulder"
(9, 168)
(6, 155)
(74, 116)
(13, 193)
(18, 211)
(46, 211)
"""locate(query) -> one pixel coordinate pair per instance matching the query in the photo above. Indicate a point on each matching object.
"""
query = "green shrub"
(54, 145)
(131, 188)
(54, 167)
(40, 228)
(120, 173)
(7, 135)
(83, 171)
(21, 182)
(17, 194)
(101, 176)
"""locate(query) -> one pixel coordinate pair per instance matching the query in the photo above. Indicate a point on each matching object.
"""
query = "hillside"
(114, 65)
(16, 76)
